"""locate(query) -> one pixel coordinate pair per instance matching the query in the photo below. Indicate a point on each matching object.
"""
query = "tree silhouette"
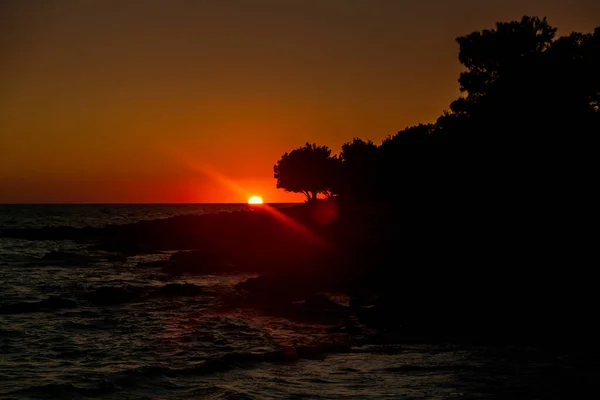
(520, 80)
(418, 134)
(511, 198)
(310, 170)
(523, 91)
(406, 162)
(493, 57)
(359, 169)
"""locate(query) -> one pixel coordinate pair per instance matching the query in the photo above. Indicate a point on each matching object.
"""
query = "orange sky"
(131, 100)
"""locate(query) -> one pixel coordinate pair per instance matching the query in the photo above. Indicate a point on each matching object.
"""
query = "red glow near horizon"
(207, 171)
(285, 220)
(299, 228)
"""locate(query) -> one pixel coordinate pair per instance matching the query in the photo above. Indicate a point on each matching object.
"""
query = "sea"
(60, 338)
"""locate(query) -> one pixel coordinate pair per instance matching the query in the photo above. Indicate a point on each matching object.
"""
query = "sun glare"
(255, 200)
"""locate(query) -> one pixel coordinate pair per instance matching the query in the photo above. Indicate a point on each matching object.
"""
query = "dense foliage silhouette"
(472, 210)
(309, 170)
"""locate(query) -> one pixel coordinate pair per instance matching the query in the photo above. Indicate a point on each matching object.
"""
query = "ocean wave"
(226, 362)
(73, 325)
(63, 390)
(217, 393)
(112, 295)
(11, 333)
(52, 303)
(99, 296)
(412, 369)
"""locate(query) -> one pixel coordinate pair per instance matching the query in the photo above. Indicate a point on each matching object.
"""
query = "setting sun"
(255, 200)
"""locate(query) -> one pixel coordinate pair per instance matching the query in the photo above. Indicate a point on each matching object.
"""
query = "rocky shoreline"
(403, 275)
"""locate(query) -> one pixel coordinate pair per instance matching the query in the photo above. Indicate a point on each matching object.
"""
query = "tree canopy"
(523, 89)
(358, 170)
(309, 170)
(521, 80)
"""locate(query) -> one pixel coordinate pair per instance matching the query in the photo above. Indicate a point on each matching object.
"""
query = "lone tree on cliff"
(309, 170)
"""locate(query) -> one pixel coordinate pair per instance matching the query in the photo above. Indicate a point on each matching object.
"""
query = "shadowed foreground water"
(94, 325)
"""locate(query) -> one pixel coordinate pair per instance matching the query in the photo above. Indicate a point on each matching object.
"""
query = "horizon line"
(145, 203)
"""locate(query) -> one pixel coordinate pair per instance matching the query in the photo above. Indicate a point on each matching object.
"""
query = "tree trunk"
(305, 192)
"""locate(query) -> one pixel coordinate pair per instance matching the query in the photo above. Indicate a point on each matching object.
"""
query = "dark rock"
(198, 262)
(179, 289)
(116, 258)
(349, 325)
(109, 295)
(320, 301)
(153, 264)
(65, 258)
(319, 308)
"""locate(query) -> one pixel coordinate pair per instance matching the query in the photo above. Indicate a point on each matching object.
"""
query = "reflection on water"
(61, 338)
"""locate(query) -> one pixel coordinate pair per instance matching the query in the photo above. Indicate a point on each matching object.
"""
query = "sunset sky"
(124, 101)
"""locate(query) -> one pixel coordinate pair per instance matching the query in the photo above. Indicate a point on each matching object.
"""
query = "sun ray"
(284, 219)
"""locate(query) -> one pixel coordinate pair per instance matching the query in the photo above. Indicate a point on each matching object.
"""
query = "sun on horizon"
(255, 200)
